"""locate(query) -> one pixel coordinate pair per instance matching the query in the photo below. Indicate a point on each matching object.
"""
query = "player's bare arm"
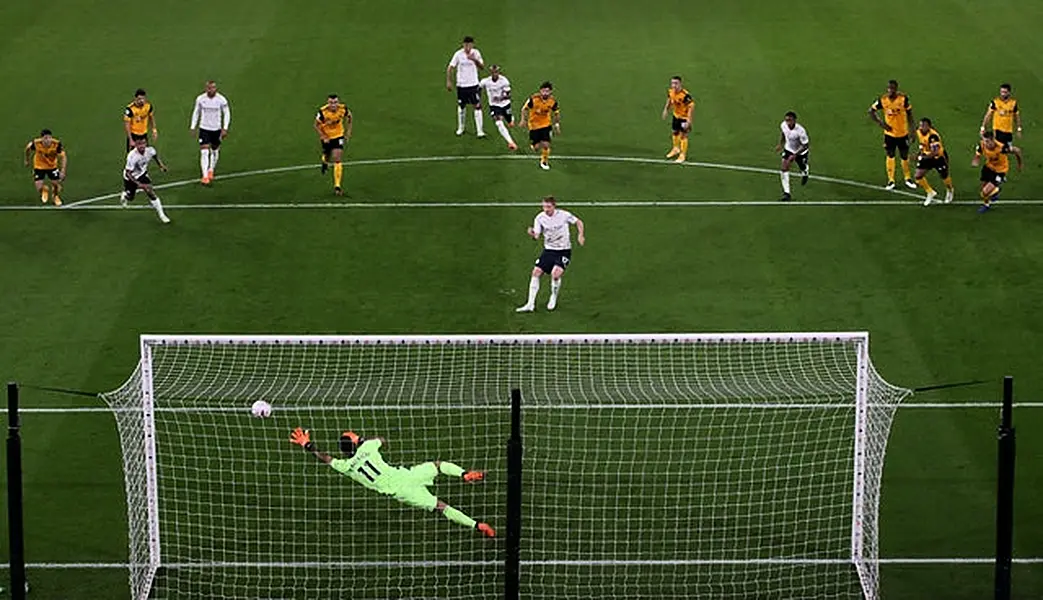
(910, 124)
(1017, 122)
(477, 61)
(556, 120)
(64, 162)
(126, 127)
(317, 124)
(581, 232)
(875, 116)
(1016, 151)
(524, 115)
(347, 125)
(985, 120)
(688, 116)
(29, 151)
(666, 109)
(449, 78)
(159, 162)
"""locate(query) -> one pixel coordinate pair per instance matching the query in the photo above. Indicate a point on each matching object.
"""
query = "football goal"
(681, 465)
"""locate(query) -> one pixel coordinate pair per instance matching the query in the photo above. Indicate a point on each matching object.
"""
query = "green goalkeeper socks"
(448, 468)
(458, 517)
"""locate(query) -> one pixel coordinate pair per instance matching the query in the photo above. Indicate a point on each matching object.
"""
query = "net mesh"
(654, 467)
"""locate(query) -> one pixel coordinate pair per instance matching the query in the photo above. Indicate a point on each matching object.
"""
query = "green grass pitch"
(946, 294)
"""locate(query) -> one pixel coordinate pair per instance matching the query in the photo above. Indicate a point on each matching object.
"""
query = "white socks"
(785, 181)
(204, 160)
(534, 288)
(461, 115)
(555, 287)
(502, 128)
(214, 154)
(478, 122)
(156, 204)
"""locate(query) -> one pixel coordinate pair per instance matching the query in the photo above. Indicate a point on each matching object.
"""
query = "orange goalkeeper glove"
(302, 437)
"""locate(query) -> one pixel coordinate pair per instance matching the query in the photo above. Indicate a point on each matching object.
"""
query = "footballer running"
(49, 163)
(553, 224)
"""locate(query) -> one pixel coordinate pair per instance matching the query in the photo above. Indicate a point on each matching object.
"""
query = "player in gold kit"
(333, 124)
(49, 162)
(932, 155)
(540, 112)
(683, 107)
(897, 124)
(1003, 110)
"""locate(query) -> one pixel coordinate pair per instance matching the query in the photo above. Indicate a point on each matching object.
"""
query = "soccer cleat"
(909, 183)
(337, 191)
(785, 197)
(481, 134)
(890, 186)
(459, 132)
(680, 158)
(44, 197)
(325, 167)
(205, 180)
(544, 166)
(525, 309)
(553, 302)
(512, 146)
(673, 152)
(485, 529)
(804, 178)
(984, 208)
(57, 200)
(124, 199)
(209, 175)
(931, 195)
(164, 219)
(949, 195)
(472, 476)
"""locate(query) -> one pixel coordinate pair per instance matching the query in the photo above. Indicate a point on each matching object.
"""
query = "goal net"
(723, 465)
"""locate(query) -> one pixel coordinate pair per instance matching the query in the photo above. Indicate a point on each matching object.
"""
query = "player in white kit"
(212, 116)
(498, 90)
(467, 61)
(795, 147)
(553, 224)
(135, 176)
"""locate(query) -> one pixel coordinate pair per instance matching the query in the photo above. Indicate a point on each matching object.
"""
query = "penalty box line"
(423, 407)
(910, 561)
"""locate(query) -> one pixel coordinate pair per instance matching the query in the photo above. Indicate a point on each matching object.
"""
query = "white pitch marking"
(535, 563)
(424, 159)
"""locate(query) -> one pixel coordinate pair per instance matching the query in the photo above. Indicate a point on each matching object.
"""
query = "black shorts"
(892, 143)
(678, 125)
(1004, 137)
(210, 138)
(131, 185)
(502, 111)
(134, 138)
(990, 176)
(936, 163)
(468, 96)
(52, 174)
(801, 159)
(539, 135)
(553, 258)
(333, 144)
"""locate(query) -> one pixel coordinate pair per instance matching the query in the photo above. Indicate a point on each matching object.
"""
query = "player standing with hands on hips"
(553, 224)
(467, 61)
(212, 116)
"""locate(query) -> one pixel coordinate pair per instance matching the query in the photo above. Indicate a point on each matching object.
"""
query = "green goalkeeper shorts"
(412, 489)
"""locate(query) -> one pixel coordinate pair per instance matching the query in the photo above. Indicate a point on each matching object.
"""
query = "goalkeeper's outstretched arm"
(302, 437)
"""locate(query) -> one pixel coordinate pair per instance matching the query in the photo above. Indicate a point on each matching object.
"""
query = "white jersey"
(137, 163)
(211, 114)
(555, 229)
(796, 138)
(499, 91)
(466, 69)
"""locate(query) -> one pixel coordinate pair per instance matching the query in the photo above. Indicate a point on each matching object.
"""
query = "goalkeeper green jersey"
(368, 468)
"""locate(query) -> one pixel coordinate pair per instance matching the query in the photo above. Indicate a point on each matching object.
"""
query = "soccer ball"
(261, 409)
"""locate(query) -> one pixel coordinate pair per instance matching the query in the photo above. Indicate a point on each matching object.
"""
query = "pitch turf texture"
(947, 294)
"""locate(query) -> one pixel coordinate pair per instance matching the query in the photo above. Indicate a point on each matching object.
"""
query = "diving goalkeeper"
(364, 465)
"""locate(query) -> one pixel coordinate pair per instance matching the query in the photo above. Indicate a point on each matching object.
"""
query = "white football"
(261, 409)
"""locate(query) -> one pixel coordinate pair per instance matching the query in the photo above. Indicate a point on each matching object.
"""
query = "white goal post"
(655, 465)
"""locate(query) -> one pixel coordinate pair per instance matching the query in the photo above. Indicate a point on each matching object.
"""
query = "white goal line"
(806, 406)
(533, 563)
